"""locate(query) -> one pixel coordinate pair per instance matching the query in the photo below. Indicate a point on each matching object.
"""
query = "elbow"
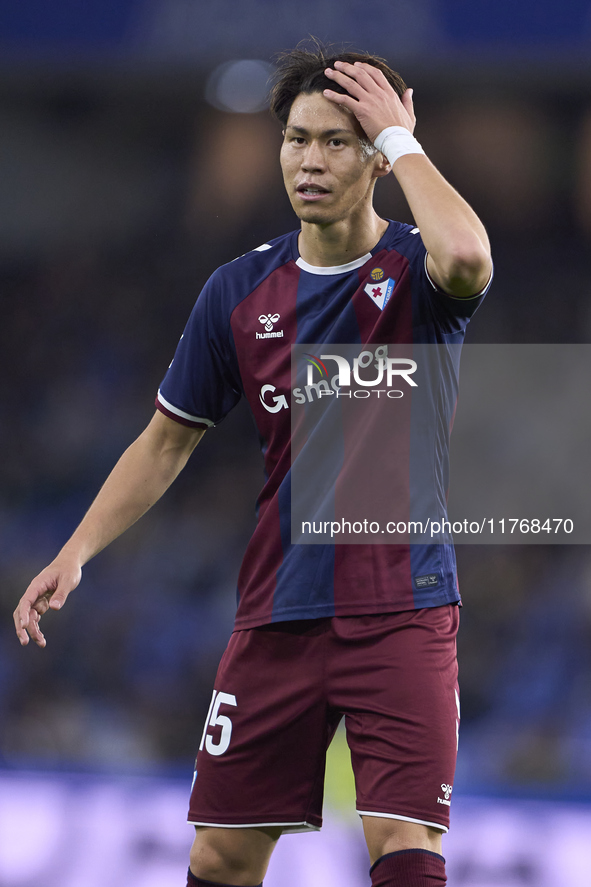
(466, 269)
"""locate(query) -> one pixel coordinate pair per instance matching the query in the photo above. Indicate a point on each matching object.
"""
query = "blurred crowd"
(98, 273)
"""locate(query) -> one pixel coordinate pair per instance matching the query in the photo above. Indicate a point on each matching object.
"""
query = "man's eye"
(337, 142)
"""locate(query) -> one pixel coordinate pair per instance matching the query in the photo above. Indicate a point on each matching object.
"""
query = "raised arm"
(140, 477)
(458, 249)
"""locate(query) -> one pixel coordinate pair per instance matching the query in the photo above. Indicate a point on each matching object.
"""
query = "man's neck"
(340, 242)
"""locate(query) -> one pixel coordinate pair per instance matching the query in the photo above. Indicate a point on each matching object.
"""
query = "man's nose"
(313, 158)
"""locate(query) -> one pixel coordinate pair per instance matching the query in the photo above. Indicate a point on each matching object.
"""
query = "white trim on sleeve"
(182, 414)
(438, 289)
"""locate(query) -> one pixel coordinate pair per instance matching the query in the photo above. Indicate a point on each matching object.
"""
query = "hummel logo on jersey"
(447, 790)
(268, 321)
(380, 292)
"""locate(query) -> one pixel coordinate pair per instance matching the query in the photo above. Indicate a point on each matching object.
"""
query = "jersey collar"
(336, 269)
(333, 269)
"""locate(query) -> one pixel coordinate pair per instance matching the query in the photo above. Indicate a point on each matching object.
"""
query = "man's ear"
(382, 166)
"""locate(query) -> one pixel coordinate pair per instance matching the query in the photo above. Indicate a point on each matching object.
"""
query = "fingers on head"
(344, 79)
(336, 97)
(359, 71)
(372, 72)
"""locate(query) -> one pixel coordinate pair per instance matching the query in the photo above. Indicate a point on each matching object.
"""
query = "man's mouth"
(309, 191)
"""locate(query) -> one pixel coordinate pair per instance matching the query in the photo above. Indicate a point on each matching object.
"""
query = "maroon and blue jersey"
(239, 342)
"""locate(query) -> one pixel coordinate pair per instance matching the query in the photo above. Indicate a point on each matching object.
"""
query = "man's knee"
(403, 853)
(384, 835)
(235, 856)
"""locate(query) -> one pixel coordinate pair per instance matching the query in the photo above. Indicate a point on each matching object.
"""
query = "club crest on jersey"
(268, 321)
(380, 292)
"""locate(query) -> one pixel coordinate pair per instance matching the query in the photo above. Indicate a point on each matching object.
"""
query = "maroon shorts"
(280, 693)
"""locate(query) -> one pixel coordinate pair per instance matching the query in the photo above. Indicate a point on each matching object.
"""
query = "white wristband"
(395, 142)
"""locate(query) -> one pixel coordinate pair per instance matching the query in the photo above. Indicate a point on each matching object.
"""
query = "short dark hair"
(302, 71)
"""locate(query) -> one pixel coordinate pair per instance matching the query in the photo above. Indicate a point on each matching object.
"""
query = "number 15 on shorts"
(215, 719)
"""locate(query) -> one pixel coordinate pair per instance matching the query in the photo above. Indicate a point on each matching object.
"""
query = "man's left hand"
(371, 99)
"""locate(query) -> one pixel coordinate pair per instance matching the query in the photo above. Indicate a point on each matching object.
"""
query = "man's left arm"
(459, 259)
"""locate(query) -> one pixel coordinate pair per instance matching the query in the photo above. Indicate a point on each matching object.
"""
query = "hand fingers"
(41, 606)
(58, 599)
(34, 600)
(371, 92)
(345, 100)
(368, 76)
(21, 634)
(358, 79)
(22, 617)
(35, 632)
(349, 83)
(408, 105)
(43, 593)
(27, 626)
(407, 100)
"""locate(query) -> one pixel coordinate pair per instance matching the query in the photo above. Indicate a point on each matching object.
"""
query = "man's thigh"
(262, 757)
(396, 680)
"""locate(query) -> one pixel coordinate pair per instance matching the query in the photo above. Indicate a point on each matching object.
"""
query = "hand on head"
(370, 98)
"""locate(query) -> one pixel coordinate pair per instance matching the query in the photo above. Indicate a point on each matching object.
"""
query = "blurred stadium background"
(136, 156)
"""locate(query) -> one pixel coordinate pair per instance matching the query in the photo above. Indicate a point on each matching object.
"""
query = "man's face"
(327, 172)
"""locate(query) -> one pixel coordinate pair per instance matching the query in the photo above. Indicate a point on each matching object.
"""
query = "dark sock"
(192, 881)
(409, 868)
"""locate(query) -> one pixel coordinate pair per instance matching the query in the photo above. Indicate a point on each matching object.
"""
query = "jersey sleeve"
(458, 307)
(451, 314)
(202, 383)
